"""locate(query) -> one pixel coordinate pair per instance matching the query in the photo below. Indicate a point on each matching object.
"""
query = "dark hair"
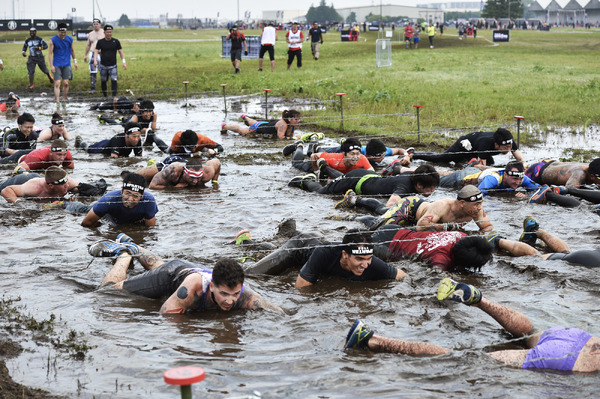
(108, 27)
(227, 272)
(356, 236)
(146, 105)
(62, 26)
(25, 117)
(350, 142)
(375, 147)
(518, 165)
(471, 253)
(594, 167)
(56, 117)
(189, 138)
(135, 178)
(58, 143)
(54, 173)
(426, 176)
(292, 113)
(502, 134)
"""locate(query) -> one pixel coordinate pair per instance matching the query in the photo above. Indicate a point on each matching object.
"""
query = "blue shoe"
(494, 239)
(530, 228)
(561, 190)
(539, 197)
(358, 336)
(109, 248)
(122, 238)
(458, 292)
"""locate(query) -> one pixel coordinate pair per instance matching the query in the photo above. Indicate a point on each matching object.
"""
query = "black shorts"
(236, 54)
(159, 282)
(267, 48)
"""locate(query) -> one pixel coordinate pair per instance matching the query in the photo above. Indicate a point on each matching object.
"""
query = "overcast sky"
(227, 9)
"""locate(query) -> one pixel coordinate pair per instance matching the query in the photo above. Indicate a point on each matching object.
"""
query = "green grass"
(551, 78)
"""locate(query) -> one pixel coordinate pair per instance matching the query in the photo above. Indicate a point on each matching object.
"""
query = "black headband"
(58, 122)
(515, 173)
(505, 142)
(360, 249)
(472, 198)
(133, 187)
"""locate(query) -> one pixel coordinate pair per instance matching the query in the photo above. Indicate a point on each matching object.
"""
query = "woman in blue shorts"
(281, 129)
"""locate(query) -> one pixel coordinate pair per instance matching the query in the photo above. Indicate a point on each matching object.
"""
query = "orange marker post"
(418, 107)
(519, 119)
(341, 96)
(184, 377)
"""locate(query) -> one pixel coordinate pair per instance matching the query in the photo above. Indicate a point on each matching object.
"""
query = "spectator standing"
(107, 48)
(90, 46)
(294, 38)
(35, 44)
(60, 53)
(268, 37)
(316, 39)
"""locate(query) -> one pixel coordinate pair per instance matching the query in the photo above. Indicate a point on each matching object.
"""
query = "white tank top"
(269, 35)
(292, 37)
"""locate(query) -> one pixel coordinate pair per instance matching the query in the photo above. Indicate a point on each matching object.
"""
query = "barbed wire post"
(418, 107)
(266, 102)
(185, 83)
(519, 119)
(341, 96)
(224, 85)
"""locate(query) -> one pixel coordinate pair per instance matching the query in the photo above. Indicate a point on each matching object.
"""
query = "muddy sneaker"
(392, 169)
(109, 248)
(297, 180)
(53, 205)
(313, 145)
(494, 239)
(341, 217)
(78, 140)
(322, 165)
(358, 336)
(242, 237)
(223, 130)
(308, 136)
(122, 238)
(458, 292)
(472, 163)
(348, 201)
(539, 197)
(530, 228)
(101, 119)
(561, 190)
(410, 151)
(291, 148)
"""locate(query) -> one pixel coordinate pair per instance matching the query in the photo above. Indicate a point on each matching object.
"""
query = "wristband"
(75, 60)
(214, 181)
(123, 60)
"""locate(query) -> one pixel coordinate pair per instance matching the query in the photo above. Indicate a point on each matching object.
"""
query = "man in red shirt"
(349, 159)
(237, 39)
(191, 144)
(408, 35)
(55, 154)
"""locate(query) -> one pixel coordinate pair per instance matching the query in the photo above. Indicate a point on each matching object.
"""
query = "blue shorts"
(415, 40)
(255, 126)
(558, 349)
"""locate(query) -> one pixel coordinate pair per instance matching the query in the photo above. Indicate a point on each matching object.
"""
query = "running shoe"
(530, 228)
(78, 140)
(341, 217)
(322, 165)
(122, 237)
(392, 169)
(297, 180)
(358, 336)
(458, 292)
(313, 145)
(410, 151)
(494, 239)
(561, 190)
(109, 248)
(53, 205)
(539, 197)
(223, 131)
(291, 148)
(472, 162)
(30, 88)
(308, 136)
(241, 237)
(348, 201)
(101, 119)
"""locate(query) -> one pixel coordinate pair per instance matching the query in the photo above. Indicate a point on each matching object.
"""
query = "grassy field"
(551, 78)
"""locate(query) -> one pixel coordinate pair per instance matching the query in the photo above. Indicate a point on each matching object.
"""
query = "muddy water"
(44, 261)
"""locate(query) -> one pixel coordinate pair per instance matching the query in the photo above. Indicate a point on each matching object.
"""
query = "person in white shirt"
(268, 38)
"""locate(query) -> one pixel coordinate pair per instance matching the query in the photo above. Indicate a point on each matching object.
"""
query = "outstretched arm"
(253, 300)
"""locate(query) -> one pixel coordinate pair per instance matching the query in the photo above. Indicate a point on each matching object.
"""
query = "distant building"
(572, 13)
(455, 6)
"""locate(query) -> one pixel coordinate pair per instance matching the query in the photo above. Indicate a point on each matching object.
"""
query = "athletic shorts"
(236, 54)
(37, 60)
(93, 69)
(159, 282)
(415, 40)
(407, 39)
(169, 160)
(558, 349)
(453, 180)
(267, 48)
(404, 213)
(254, 126)
(64, 73)
(534, 172)
(108, 72)
(582, 257)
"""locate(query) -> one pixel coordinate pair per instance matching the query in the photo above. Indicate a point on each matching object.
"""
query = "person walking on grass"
(60, 53)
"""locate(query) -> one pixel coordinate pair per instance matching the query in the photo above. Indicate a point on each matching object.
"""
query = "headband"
(472, 198)
(133, 130)
(505, 142)
(58, 122)
(62, 29)
(133, 187)
(60, 181)
(353, 147)
(515, 173)
(58, 149)
(96, 20)
(194, 173)
(360, 249)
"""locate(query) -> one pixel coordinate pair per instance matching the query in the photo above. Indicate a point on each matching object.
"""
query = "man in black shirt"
(108, 48)
(118, 146)
(35, 44)
(480, 145)
(351, 259)
(237, 39)
(19, 141)
(316, 39)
